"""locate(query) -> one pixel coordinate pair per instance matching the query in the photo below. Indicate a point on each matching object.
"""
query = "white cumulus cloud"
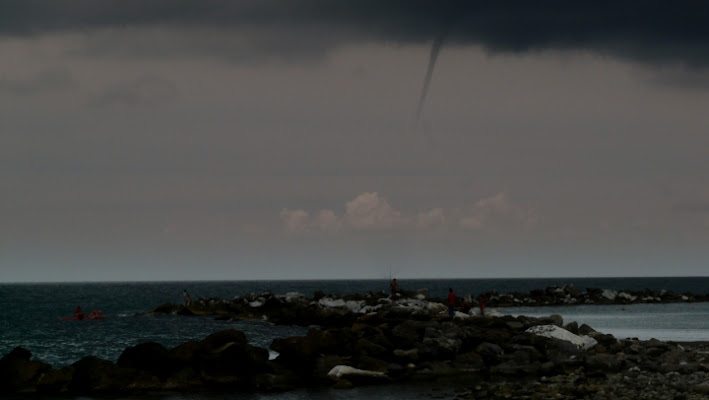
(294, 221)
(431, 219)
(494, 212)
(370, 211)
(327, 221)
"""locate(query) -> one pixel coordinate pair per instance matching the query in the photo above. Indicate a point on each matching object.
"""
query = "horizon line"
(352, 279)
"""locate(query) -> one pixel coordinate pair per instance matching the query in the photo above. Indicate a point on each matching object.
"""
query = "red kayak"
(93, 315)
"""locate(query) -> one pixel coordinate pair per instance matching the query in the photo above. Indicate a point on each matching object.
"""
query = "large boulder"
(470, 361)
(554, 331)
(439, 348)
(224, 357)
(334, 341)
(490, 352)
(185, 379)
(357, 376)
(20, 374)
(186, 354)
(92, 374)
(55, 381)
(368, 348)
(409, 333)
(293, 348)
(235, 360)
(150, 357)
(16, 354)
(564, 355)
(218, 339)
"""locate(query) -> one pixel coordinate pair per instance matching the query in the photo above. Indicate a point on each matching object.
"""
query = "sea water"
(31, 315)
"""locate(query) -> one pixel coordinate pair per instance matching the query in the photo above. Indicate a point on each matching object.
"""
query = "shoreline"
(368, 339)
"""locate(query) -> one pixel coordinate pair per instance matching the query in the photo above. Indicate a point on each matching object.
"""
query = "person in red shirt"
(394, 286)
(451, 302)
(78, 313)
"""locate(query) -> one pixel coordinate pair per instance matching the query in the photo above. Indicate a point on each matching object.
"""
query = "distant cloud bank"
(372, 212)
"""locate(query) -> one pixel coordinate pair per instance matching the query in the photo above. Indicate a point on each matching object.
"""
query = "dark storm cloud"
(646, 31)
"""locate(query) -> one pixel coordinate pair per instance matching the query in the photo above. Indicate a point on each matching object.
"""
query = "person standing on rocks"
(78, 313)
(481, 304)
(394, 286)
(451, 302)
(188, 298)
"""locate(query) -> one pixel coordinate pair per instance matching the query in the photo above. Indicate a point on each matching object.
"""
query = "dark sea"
(31, 317)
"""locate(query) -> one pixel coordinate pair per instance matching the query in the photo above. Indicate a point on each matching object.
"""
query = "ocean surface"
(30, 316)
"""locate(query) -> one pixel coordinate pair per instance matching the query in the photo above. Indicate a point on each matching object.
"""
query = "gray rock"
(557, 320)
(572, 327)
(702, 388)
(515, 369)
(407, 355)
(515, 325)
(365, 347)
(585, 330)
(438, 348)
(607, 363)
(150, 357)
(490, 352)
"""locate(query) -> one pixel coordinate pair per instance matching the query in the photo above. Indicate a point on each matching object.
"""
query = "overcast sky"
(274, 139)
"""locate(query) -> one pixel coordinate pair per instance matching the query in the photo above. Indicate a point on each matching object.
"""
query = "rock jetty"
(571, 295)
(370, 340)
(331, 310)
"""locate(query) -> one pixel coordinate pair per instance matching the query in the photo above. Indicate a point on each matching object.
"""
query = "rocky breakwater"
(297, 309)
(571, 295)
(410, 341)
(331, 310)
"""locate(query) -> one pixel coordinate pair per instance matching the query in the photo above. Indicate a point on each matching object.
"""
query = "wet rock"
(234, 359)
(371, 364)
(19, 374)
(436, 348)
(366, 347)
(407, 355)
(357, 376)
(92, 374)
(572, 327)
(513, 369)
(490, 352)
(606, 363)
(150, 357)
(585, 330)
(16, 354)
(55, 380)
(183, 380)
(216, 340)
(603, 339)
(409, 333)
(185, 354)
(702, 388)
